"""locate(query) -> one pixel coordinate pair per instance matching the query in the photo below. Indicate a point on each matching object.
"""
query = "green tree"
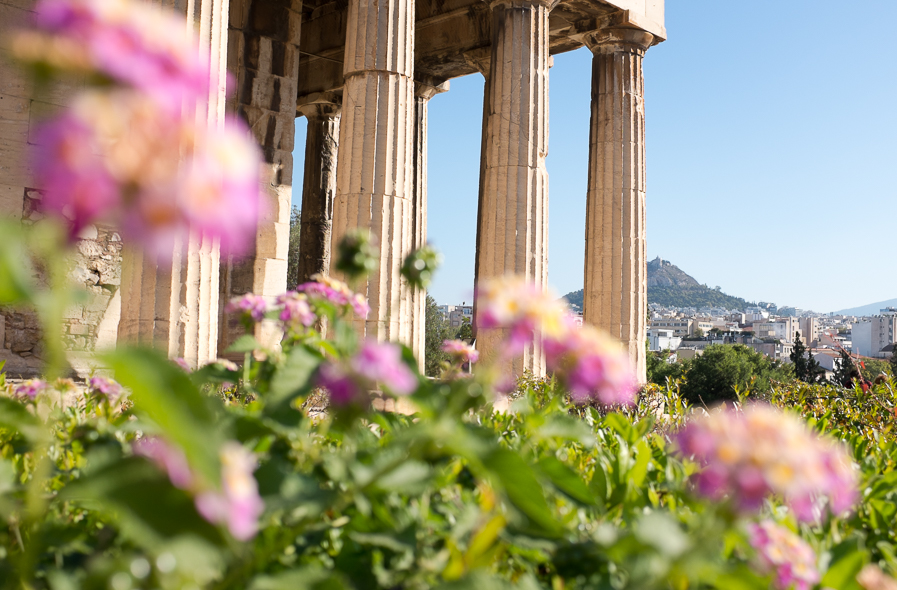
(893, 361)
(659, 369)
(465, 332)
(872, 368)
(715, 375)
(806, 368)
(437, 331)
(293, 252)
(846, 370)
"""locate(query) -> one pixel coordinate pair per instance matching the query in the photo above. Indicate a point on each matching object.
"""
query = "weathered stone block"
(273, 241)
(14, 113)
(11, 201)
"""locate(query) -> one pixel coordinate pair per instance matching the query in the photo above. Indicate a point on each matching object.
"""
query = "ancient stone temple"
(362, 73)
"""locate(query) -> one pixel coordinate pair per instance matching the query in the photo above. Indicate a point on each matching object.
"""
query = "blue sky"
(771, 154)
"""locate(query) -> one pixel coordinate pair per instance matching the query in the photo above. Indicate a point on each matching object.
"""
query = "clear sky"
(771, 154)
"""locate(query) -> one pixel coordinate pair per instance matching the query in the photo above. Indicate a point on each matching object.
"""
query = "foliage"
(846, 371)
(465, 331)
(805, 366)
(724, 371)
(293, 252)
(660, 370)
(871, 369)
(437, 331)
(893, 362)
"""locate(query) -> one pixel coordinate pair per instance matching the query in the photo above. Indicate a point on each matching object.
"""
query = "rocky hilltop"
(670, 286)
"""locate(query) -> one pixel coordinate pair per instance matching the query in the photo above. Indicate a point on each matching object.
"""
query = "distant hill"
(670, 286)
(870, 309)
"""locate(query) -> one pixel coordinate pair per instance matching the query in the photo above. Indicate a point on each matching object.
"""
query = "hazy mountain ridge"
(868, 309)
(670, 286)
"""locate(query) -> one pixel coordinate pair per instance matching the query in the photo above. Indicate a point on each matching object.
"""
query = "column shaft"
(423, 92)
(615, 288)
(264, 55)
(374, 178)
(513, 232)
(318, 189)
(175, 308)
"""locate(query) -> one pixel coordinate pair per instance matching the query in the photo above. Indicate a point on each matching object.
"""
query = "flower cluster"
(30, 389)
(375, 363)
(783, 554)
(250, 306)
(296, 310)
(131, 43)
(357, 254)
(336, 292)
(107, 388)
(521, 308)
(115, 157)
(236, 504)
(751, 454)
(871, 577)
(460, 352)
(133, 153)
(589, 363)
(420, 265)
(591, 366)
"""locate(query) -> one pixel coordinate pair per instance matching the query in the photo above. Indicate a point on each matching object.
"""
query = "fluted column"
(615, 292)
(318, 187)
(424, 90)
(513, 232)
(374, 178)
(175, 307)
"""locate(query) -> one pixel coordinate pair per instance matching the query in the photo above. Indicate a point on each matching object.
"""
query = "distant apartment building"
(455, 314)
(662, 339)
(810, 330)
(784, 329)
(755, 314)
(681, 327)
(869, 337)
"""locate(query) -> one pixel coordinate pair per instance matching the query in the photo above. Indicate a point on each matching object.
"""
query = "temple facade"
(362, 73)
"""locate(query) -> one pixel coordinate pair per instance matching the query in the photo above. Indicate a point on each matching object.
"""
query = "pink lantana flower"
(519, 307)
(108, 388)
(790, 559)
(375, 363)
(460, 352)
(168, 458)
(296, 310)
(751, 454)
(336, 292)
(131, 43)
(250, 305)
(30, 388)
(238, 504)
(591, 366)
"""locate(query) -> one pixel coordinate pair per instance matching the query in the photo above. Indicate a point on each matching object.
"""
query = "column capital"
(426, 86)
(615, 40)
(320, 104)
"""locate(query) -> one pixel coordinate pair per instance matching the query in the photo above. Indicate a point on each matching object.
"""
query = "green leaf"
(14, 416)
(165, 393)
(521, 487)
(410, 475)
(244, 343)
(294, 376)
(640, 469)
(306, 578)
(149, 509)
(15, 271)
(845, 566)
(622, 426)
(566, 480)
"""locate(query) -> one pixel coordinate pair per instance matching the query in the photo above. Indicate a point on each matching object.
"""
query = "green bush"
(725, 371)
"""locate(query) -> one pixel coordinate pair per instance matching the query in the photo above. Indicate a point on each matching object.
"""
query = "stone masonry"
(362, 72)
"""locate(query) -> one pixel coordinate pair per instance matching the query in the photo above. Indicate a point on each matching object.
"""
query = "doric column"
(425, 88)
(263, 55)
(513, 217)
(375, 173)
(318, 187)
(175, 308)
(615, 291)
